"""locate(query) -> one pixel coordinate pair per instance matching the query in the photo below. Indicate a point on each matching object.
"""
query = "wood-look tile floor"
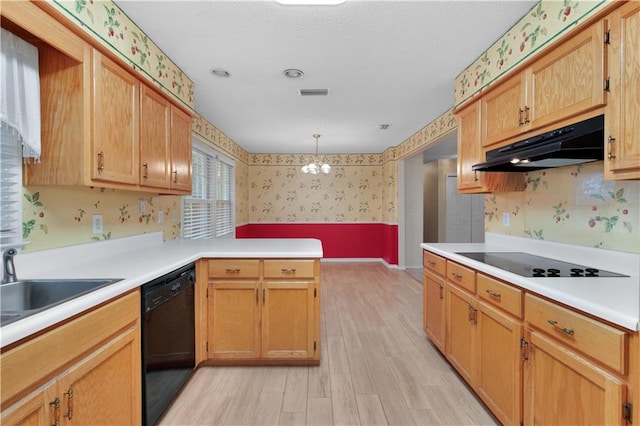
(377, 367)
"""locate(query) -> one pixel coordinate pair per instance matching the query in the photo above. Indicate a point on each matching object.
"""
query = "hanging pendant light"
(314, 167)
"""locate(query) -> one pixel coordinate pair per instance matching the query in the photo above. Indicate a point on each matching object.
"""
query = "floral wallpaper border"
(546, 21)
(105, 22)
(221, 141)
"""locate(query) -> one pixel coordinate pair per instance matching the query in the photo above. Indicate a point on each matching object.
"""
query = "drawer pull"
(232, 271)
(456, 276)
(288, 270)
(431, 262)
(493, 294)
(565, 330)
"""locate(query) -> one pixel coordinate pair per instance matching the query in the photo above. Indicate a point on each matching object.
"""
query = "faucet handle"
(8, 268)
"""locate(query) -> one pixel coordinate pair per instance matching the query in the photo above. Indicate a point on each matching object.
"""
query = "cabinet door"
(469, 149)
(622, 159)
(154, 139)
(234, 320)
(500, 364)
(288, 320)
(105, 388)
(563, 388)
(461, 333)
(115, 122)
(39, 408)
(503, 110)
(434, 309)
(568, 80)
(180, 150)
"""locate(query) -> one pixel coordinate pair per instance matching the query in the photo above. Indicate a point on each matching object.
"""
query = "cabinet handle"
(288, 271)
(56, 411)
(565, 330)
(610, 141)
(175, 176)
(100, 161)
(232, 271)
(264, 295)
(69, 394)
(256, 296)
(441, 292)
(456, 276)
(431, 262)
(473, 315)
(475, 176)
(520, 112)
(526, 115)
(493, 294)
(145, 175)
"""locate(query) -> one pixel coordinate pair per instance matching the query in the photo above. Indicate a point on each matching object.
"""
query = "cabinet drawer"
(285, 268)
(595, 339)
(500, 294)
(234, 268)
(434, 262)
(461, 276)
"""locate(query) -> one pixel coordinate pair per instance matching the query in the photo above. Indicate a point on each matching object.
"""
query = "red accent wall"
(339, 240)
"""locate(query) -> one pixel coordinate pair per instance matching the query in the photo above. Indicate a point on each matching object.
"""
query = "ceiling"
(384, 62)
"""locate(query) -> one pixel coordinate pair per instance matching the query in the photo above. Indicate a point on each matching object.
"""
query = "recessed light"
(384, 126)
(293, 73)
(220, 72)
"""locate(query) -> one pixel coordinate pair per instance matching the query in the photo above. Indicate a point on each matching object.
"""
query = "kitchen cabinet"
(470, 152)
(115, 119)
(622, 156)
(434, 305)
(263, 310)
(180, 151)
(91, 373)
(461, 319)
(565, 82)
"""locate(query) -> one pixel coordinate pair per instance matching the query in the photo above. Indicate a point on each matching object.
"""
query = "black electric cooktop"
(529, 265)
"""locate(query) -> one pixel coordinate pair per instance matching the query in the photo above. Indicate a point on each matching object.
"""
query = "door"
(469, 148)
(154, 139)
(434, 309)
(503, 110)
(115, 122)
(500, 364)
(234, 320)
(464, 218)
(288, 320)
(40, 408)
(461, 332)
(563, 388)
(180, 150)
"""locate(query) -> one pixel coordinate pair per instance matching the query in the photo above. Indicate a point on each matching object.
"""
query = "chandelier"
(314, 167)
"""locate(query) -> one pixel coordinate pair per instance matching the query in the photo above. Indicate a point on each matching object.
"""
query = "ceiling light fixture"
(293, 73)
(220, 72)
(314, 167)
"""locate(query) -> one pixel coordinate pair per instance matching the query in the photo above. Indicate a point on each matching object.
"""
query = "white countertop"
(137, 260)
(615, 299)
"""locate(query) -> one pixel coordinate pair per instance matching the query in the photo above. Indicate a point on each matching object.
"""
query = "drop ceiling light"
(293, 73)
(220, 72)
(314, 167)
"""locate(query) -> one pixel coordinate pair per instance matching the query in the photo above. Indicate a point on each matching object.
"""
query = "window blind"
(209, 211)
(10, 185)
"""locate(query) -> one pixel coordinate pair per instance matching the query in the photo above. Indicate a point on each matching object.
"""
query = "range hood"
(578, 143)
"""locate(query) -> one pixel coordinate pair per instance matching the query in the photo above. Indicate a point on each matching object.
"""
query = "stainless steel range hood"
(578, 143)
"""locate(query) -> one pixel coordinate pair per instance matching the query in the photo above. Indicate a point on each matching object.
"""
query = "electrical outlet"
(506, 219)
(97, 224)
(160, 217)
(141, 205)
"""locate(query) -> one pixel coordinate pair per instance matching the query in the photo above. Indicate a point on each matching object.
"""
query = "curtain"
(20, 89)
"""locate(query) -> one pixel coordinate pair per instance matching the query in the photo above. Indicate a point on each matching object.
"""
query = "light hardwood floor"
(377, 367)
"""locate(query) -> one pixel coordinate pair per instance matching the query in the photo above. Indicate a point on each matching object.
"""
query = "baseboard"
(358, 260)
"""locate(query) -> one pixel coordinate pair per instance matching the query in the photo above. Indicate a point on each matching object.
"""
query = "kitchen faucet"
(9, 269)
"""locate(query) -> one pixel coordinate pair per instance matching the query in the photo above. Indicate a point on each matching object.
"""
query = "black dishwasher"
(168, 339)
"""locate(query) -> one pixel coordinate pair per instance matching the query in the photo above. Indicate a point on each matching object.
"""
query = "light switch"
(160, 217)
(506, 219)
(97, 224)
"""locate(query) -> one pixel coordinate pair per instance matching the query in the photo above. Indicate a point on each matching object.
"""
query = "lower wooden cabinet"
(263, 310)
(68, 384)
(434, 309)
(563, 388)
(461, 332)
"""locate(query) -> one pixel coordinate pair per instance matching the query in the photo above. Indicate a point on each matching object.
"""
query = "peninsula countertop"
(136, 261)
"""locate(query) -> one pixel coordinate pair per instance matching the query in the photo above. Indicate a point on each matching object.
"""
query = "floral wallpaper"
(106, 23)
(573, 205)
(433, 131)
(545, 22)
(62, 216)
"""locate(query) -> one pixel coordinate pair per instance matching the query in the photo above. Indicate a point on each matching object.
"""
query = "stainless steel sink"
(27, 297)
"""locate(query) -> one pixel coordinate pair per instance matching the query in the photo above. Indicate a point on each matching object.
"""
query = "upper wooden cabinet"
(565, 82)
(470, 152)
(115, 123)
(155, 115)
(622, 114)
(180, 150)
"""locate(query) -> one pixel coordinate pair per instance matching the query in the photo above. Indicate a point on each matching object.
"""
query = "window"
(10, 185)
(209, 211)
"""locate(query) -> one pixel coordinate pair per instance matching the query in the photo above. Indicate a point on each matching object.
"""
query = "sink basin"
(27, 297)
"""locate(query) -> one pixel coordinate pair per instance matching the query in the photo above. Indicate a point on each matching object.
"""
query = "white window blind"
(209, 211)
(10, 185)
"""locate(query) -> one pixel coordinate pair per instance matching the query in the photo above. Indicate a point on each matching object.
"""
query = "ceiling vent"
(383, 126)
(314, 92)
